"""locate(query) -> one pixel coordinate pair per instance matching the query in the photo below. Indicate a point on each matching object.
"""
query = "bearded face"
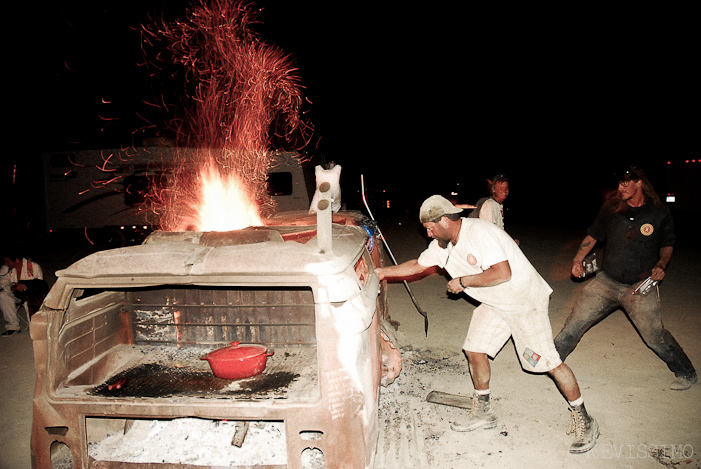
(438, 232)
(629, 189)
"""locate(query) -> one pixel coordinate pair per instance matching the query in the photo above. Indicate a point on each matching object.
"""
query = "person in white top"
(20, 280)
(486, 264)
(491, 208)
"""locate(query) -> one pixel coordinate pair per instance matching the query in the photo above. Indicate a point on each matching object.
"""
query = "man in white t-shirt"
(486, 264)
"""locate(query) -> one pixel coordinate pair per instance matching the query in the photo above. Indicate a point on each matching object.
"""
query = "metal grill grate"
(189, 315)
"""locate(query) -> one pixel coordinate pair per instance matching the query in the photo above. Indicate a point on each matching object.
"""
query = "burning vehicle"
(120, 340)
(130, 342)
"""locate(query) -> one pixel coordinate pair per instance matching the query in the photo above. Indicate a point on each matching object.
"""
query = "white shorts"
(490, 328)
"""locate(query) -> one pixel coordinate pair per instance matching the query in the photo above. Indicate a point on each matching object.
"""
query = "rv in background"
(682, 184)
(682, 194)
(101, 192)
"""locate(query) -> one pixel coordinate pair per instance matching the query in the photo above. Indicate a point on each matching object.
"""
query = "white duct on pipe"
(324, 216)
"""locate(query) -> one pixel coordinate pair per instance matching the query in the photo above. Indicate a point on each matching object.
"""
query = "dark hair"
(492, 183)
(634, 172)
(12, 255)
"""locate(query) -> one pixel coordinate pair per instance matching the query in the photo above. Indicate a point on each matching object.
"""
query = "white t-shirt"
(481, 245)
(29, 272)
(493, 212)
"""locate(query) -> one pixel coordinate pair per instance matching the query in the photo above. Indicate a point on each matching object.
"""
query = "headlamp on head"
(628, 173)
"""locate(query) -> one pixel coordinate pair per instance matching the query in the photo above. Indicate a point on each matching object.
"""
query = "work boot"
(585, 429)
(480, 416)
(683, 383)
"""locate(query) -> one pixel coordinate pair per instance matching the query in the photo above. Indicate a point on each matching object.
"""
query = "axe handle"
(384, 241)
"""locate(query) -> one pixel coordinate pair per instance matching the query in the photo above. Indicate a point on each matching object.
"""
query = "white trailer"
(102, 192)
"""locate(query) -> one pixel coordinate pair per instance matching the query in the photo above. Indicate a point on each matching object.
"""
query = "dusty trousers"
(601, 297)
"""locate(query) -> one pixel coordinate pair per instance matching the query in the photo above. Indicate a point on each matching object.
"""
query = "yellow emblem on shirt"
(647, 229)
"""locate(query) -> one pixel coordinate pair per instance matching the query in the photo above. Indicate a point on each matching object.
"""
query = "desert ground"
(625, 386)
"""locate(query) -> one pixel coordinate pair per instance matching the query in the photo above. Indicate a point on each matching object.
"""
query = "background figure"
(491, 208)
(21, 281)
(639, 234)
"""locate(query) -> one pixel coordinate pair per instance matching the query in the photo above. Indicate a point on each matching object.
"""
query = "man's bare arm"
(658, 272)
(404, 270)
(584, 248)
(496, 274)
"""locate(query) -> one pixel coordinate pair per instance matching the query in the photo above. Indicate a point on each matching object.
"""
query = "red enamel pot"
(238, 361)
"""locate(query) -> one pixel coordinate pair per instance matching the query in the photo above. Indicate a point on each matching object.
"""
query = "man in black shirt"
(639, 234)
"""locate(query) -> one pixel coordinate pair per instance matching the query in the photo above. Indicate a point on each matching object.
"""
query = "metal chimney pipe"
(324, 232)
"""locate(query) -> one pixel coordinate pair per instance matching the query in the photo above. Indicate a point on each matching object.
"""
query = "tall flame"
(241, 92)
(224, 203)
(200, 195)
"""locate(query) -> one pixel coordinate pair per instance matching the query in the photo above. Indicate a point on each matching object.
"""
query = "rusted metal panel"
(165, 304)
(283, 315)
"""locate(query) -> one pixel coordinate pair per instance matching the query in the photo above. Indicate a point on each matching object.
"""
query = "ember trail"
(240, 90)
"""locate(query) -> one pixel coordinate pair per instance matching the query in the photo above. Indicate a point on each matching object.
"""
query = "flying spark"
(242, 92)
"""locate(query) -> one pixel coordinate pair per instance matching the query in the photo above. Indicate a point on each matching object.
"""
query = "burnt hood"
(260, 250)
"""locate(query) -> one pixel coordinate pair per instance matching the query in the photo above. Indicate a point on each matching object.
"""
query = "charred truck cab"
(120, 338)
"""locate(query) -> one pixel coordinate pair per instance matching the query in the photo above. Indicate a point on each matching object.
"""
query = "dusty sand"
(625, 386)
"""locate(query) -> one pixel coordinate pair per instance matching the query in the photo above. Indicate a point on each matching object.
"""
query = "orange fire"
(224, 203)
(246, 99)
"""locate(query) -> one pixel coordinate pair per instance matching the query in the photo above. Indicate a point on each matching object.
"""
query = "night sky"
(416, 97)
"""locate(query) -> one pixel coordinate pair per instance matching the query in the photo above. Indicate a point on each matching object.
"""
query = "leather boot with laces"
(480, 416)
(585, 429)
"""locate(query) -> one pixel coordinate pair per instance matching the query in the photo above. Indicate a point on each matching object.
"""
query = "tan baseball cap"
(435, 207)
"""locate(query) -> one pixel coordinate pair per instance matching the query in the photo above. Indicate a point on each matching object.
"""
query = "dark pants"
(34, 294)
(601, 297)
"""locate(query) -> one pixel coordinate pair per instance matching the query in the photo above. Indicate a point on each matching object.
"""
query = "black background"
(415, 97)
